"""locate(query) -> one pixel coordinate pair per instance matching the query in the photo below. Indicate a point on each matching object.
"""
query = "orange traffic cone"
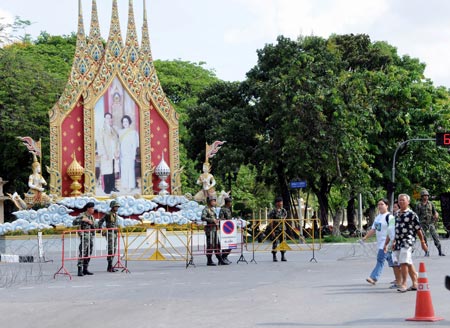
(424, 305)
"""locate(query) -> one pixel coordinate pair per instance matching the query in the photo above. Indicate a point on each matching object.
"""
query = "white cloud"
(291, 18)
(5, 19)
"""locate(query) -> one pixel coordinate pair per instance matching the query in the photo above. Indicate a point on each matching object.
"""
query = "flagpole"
(40, 152)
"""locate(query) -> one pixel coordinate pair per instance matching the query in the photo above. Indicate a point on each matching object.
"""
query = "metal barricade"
(284, 233)
(199, 246)
(157, 242)
(73, 243)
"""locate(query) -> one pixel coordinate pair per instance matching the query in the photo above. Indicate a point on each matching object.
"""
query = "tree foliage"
(33, 75)
(183, 82)
(28, 89)
(8, 31)
(329, 111)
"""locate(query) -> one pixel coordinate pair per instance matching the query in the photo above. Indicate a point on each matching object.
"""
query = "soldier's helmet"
(210, 198)
(114, 204)
(89, 205)
(424, 192)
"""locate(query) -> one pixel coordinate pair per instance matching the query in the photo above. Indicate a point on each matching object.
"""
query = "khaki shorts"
(404, 255)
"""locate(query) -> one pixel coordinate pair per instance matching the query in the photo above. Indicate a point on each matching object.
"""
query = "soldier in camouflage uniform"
(86, 221)
(110, 220)
(428, 216)
(276, 222)
(212, 243)
(226, 214)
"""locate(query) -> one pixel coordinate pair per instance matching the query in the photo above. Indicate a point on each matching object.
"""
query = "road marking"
(85, 286)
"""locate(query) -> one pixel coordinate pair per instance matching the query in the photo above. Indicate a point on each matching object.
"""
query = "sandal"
(371, 281)
(402, 290)
(412, 288)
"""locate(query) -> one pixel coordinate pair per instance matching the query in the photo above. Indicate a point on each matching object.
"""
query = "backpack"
(387, 218)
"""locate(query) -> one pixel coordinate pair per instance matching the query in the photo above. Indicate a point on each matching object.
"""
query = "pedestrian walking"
(428, 217)
(407, 226)
(380, 228)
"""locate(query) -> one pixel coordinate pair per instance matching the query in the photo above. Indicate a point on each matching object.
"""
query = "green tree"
(33, 75)
(309, 115)
(8, 31)
(223, 113)
(27, 92)
(328, 112)
(183, 82)
(407, 106)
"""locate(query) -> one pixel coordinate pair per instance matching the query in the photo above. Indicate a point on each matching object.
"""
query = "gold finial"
(75, 171)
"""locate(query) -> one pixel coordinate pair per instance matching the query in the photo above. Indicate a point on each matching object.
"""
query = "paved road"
(331, 292)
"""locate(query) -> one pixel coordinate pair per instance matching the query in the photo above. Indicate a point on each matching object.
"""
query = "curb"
(9, 258)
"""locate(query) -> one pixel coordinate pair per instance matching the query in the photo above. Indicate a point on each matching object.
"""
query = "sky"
(226, 34)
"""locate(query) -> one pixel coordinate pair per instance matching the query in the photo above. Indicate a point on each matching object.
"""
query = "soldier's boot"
(110, 267)
(80, 272)
(86, 271)
(225, 259)
(210, 261)
(283, 258)
(274, 255)
(427, 253)
(220, 260)
(440, 251)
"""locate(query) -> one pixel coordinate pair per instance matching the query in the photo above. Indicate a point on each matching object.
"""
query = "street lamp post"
(393, 165)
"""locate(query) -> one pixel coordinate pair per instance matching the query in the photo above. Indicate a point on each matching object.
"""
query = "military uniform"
(212, 243)
(426, 213)
(86, 240)
(110, 220)
(225, 214)
(276, 222)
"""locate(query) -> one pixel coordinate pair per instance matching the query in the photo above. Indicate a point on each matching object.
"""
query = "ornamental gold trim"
(93, 70)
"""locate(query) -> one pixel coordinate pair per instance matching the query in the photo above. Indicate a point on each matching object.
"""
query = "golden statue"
(36, 194)
(207, 181)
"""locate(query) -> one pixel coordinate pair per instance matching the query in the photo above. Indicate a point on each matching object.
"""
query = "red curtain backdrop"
(159, 143)
(72, 140)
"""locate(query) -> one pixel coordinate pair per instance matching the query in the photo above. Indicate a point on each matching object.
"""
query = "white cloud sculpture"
(147, 210)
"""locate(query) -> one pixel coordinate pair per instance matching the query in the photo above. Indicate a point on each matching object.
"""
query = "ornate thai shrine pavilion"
(113, 87)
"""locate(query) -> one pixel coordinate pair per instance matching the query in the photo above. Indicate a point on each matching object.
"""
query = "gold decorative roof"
(94, 68)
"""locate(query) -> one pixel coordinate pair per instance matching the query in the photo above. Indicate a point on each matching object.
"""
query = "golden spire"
(115, 37)
(131, 42)
(96, 49)
(145, 47)
(82, 66)
(80, 20)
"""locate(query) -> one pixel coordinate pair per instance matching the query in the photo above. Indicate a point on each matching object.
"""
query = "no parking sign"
(228, 234)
